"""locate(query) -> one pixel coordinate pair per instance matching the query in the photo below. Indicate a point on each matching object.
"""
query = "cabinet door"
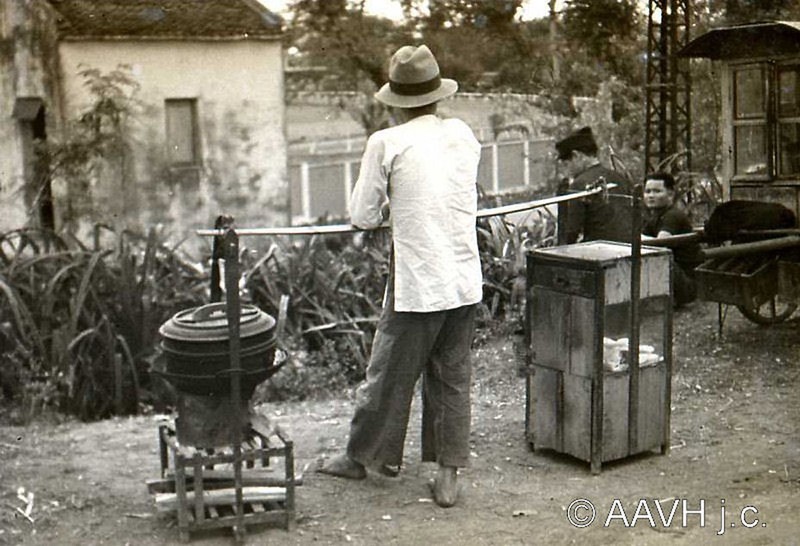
(550, 325)
(583, 340)
(652, 402)
(546, 391)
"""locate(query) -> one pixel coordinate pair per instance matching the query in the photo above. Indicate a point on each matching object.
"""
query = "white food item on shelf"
(615, 354)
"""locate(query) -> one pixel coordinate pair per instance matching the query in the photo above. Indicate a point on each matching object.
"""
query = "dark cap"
(581, 140)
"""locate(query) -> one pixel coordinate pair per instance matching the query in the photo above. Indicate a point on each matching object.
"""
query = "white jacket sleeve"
(371, 189)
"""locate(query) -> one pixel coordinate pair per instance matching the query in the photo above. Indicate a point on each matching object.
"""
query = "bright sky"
(532, 9)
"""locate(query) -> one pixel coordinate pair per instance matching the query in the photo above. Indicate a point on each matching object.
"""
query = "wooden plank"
(615, 418)
(167, 502)
(667, 402)
(577, 416)
(199, 510)
(550, 338)
(653, 280)
(289, 471)
(655, 276)
(579, 282)
(582, 334)
(180, 496)
(215, 479)
(597, 378)
(652, 383)
(546, 408)
(635, 323)
(530, 413)
(253, 474)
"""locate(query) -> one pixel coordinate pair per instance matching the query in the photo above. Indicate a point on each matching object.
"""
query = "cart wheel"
(770, 312)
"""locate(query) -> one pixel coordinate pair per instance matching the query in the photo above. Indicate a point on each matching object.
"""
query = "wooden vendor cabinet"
(583, 396)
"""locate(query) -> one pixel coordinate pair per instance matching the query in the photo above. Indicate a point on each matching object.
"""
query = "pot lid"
(210, 323)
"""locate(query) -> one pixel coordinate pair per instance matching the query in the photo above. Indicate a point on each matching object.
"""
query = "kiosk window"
(749, 92)
(750, 122)
(789, 120)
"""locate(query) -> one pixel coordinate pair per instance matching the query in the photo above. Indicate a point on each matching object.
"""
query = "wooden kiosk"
(585, 398)
(760, 78)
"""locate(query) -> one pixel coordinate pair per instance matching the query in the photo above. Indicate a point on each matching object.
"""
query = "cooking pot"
(220, 383)
(195, 343)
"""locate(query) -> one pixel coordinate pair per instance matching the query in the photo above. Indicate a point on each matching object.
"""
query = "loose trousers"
(435, 345)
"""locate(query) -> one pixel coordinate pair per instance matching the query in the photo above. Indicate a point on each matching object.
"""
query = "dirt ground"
(735, 444)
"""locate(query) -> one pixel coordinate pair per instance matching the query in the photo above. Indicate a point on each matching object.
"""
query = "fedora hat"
(414, 79)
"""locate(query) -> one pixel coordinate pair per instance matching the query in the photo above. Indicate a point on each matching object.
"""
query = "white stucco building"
(208, 134)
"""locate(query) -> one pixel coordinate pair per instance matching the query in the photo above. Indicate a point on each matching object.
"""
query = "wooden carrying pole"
(233, 311)
(633, 338)
(348, 228)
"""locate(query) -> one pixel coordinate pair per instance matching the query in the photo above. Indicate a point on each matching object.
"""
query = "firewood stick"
(167, 502)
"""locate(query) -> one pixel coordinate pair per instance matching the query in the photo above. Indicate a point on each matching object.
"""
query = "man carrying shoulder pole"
(424, 171)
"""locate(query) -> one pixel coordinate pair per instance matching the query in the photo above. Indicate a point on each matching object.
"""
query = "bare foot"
(445, 486)
(343, 466)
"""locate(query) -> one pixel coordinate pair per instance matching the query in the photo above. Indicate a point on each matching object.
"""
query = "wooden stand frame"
(199, 485)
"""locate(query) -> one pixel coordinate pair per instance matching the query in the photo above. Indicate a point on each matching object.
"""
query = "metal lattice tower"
(668, 88)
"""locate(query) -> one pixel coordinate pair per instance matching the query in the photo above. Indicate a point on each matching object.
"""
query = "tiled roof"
(165, 19)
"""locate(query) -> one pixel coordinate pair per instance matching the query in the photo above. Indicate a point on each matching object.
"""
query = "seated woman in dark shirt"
(663, 219)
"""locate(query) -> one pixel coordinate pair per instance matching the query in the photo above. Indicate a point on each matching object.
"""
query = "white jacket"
(426, 169)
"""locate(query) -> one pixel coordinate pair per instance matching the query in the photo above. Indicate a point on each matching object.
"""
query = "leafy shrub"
(79, 323)
(335, 286)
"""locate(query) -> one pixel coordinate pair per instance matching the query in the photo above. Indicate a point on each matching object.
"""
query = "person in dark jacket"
(595, 217)
(664, 219)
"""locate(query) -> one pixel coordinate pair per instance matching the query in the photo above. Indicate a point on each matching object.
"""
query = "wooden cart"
(757, 272)
(762, 278)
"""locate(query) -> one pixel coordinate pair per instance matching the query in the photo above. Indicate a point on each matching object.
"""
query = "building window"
(182, 135)
(766, 121)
